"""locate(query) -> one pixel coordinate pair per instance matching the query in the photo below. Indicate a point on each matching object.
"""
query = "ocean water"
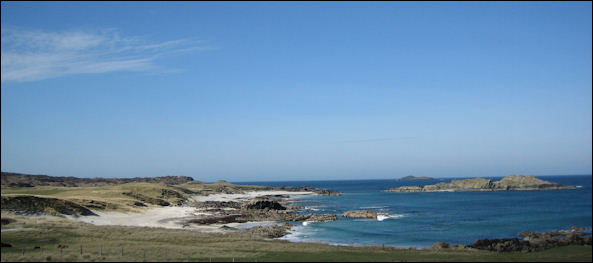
(422, 219)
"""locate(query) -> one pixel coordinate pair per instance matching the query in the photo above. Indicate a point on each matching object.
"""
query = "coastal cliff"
(513, 182)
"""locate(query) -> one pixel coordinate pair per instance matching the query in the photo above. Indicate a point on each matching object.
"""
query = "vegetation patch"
(146, 199)
(32, 205)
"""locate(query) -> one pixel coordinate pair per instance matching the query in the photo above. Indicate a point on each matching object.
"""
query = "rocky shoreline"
(276, 208)
(269, 211)
(530, 242)
(512, 182)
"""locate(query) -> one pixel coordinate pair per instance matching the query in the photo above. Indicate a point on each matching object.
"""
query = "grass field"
(105, 243)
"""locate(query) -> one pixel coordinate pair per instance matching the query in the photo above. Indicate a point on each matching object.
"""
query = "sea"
(422, 219)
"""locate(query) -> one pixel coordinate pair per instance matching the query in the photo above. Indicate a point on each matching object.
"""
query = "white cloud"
(29, 55)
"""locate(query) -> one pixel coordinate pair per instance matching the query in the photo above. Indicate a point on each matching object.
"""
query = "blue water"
(421, 219)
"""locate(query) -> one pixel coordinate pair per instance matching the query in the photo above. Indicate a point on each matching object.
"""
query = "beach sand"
(174, 216)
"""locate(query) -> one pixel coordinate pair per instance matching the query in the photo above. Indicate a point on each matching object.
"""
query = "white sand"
(173, 216)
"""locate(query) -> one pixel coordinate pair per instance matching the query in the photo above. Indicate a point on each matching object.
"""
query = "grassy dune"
(105, 243)
(115, 198)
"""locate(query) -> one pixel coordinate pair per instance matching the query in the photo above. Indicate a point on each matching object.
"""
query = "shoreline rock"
(371, 214)
(534, 241)
(326, 192)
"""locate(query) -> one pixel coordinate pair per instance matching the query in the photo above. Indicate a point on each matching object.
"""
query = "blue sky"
(289, 91)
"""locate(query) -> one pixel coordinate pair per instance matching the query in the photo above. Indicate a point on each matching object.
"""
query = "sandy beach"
(173, 216)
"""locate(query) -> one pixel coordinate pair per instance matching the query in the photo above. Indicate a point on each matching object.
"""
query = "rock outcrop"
(320, 218)
(263, 204)
(273, 231)
(371, 214)
(309, 189)
(513, 182)
(534, 241)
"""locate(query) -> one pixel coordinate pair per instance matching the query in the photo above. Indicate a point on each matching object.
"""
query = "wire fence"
(108, 253)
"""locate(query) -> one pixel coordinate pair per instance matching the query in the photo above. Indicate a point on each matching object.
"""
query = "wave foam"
(381, 217)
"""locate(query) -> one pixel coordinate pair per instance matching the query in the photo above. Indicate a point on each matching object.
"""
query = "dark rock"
(322, 217)
(217, 204)
(310, 189)
(534, 241)
(225, 227)
(500, 245)
(224, 219)
(166, 193)
(264, 204)
(5, 244)
(6, 221)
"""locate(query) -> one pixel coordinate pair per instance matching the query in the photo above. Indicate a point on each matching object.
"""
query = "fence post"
(144, 254)
(122, 251)
(100, 250)
(81, 250)
(23, 251)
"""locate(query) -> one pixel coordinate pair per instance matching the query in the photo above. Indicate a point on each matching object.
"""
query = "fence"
(107, 253)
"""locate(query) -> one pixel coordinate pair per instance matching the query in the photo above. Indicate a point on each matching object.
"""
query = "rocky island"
(415, 178)
(512, 182)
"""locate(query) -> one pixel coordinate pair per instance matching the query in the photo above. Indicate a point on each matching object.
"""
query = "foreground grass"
(105, 243)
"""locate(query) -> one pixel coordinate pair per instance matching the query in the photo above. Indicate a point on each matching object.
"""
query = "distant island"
(415, 178)
(512, 182)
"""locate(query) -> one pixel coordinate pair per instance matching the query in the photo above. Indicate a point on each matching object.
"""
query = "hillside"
(29, 180)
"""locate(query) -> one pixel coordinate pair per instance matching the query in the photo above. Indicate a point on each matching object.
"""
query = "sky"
(296, 90)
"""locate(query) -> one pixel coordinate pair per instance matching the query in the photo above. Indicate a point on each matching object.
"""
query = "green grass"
(34, 190)
(160, 244)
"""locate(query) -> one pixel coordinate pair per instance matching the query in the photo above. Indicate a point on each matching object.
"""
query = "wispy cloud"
(30, 55)
(377, 139)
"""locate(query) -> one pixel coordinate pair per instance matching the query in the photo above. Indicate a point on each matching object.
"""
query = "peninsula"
(512, 182)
